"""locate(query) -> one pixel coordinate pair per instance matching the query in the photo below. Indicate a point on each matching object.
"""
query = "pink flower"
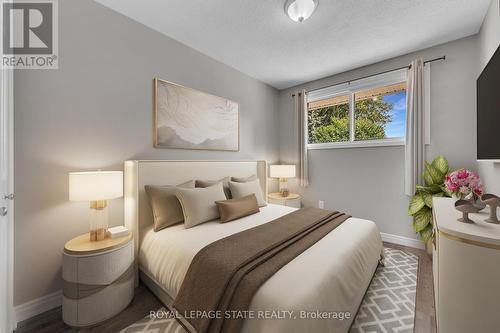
(464, 190)
(462, 182)
(462, 174)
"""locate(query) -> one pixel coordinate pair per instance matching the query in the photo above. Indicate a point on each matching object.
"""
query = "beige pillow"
(244, 179)
(166, 208)
(198, 204)
(239, 190)
(235, 208)
(207, 183)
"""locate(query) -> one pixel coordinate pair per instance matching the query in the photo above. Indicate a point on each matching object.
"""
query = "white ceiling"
(257, 38)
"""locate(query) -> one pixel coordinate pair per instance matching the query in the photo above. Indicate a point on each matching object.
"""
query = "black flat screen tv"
(488, 110)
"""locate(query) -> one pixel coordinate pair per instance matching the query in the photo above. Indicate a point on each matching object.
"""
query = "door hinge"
(9, 197)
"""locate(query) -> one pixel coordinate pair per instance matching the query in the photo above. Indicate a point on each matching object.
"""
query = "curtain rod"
(379, 73)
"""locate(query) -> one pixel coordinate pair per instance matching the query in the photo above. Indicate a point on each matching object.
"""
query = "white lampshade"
(282, 171)
(97, 185)
(300, 10)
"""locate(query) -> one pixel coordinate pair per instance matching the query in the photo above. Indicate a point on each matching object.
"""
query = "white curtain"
(415, 132)
(300, 104)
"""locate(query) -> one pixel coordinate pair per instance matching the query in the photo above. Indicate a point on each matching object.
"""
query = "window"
(368, 112)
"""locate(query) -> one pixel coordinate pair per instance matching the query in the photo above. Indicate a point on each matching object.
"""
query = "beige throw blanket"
(225, 275)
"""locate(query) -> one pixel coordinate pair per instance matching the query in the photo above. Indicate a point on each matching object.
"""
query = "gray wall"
(489, 39)
(369, 182)
(95, 112)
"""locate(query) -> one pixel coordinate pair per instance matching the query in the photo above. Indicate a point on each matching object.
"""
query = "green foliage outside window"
(331, 124)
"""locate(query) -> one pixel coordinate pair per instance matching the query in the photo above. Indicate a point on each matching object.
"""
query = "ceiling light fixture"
(300, 10)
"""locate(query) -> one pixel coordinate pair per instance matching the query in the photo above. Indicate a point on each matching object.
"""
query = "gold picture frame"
(185, 118)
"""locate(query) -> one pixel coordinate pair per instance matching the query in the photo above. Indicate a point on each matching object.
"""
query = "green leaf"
(416, 204)
(427, 199)
(440, 194)
(428, 179)
(429, 189)
(441, 163)
(426, 234)
(421, 219)
(437, 176)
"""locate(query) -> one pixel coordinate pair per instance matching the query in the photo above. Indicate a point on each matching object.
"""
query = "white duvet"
(329, 279)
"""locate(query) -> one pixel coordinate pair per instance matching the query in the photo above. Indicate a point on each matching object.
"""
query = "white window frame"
(350, 89)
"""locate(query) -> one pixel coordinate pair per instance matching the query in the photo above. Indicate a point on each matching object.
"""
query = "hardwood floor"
(144, 301)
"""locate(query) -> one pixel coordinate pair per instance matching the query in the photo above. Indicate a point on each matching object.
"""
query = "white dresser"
(98, 279)
(466, 268)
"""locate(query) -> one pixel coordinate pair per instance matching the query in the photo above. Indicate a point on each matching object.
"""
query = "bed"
(296, 295)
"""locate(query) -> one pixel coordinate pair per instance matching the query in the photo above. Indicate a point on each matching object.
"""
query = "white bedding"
(330, 276)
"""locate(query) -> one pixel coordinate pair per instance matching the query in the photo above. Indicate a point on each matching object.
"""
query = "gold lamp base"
(283, 187)
(98, 234)
(98, 220)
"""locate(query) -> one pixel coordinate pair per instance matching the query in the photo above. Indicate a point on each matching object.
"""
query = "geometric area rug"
(389, 302)
(388, 305)
(155, 325)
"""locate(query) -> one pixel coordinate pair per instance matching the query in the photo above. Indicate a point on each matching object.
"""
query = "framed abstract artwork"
(186, 118)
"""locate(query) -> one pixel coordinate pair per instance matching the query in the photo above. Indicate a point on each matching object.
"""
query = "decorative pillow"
(244, 179)
(198, 204)
(166, 208)
(239, 190)
(207, 183)
(235, 208)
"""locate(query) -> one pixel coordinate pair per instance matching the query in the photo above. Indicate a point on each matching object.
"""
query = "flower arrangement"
(440, 182)
(464, 184)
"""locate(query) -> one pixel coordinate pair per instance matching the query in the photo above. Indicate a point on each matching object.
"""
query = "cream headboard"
(149, 172)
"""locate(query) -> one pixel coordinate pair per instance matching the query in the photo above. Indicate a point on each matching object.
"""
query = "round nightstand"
(292, 200)
(98, 279)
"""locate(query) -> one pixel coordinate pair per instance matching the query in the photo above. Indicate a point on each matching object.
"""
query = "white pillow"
(198, 204)
(240, 190)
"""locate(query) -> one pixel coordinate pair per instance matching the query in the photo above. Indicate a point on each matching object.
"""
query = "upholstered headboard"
(138, 173)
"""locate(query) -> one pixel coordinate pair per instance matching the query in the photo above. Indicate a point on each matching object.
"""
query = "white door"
(7, 320)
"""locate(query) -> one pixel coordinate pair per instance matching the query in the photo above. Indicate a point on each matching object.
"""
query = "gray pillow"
(207, 183)
(244, 179)
(198, 204)
(166, 208)
(240, 190)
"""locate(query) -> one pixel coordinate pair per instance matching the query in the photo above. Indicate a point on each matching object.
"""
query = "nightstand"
(98, 279)
(292, 200)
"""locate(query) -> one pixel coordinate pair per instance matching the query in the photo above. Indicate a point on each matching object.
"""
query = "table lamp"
(283, 172)
(96, 187)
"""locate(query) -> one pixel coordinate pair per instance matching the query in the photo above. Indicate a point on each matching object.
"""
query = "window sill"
(357, 144)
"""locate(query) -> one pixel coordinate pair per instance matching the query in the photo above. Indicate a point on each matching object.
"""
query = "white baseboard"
(37, 306)
(400, 240)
